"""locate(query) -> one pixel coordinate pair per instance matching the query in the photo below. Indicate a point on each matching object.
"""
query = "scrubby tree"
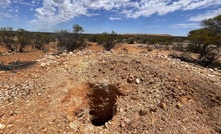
(108, 40)
(70, 41)
(93, 37)
(178, 44)
(22, 39)
(7, 36)
(39, 39)
(213, 24)
(207, 40)
(77, 29)
(77, 38)
(64, 40)
(131, 40)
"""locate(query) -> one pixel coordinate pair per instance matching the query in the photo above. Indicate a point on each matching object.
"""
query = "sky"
(174, 17)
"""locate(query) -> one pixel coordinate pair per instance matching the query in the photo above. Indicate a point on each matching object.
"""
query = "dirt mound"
(110, 92)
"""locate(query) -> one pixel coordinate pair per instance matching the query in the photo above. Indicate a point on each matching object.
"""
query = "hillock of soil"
(110, 92)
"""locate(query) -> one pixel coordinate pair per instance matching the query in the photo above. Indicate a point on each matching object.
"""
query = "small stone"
(50, 123)
(200, 110)
(134, 125)
(64, 54)
(210, 75)
(69, 118)
(2, 126)
(124, 90)
(71, 53)
(79, 113)
(183, 99)
(163, 105)
(145, 131)
(151, 81)
(175, 80)
(127, 120)
(112, 50)
(72, 125)
(130, 79)
(163, 119)
(143, 112)
(179, 105)
(134, 98)
(122, 124)
(137, 81)
(43, 64)
(153, 110)
(39, 94)
(112, 67)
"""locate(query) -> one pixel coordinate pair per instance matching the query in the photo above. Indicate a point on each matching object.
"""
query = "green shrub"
(192, 48)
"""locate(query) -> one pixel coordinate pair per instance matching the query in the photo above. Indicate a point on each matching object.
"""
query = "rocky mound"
(109, 92)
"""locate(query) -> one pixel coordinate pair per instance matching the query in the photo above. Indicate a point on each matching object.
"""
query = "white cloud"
(5, 15)
(3, 9)
(115, 18)
(207, 15)
(31, 3)
(57, 11)
(26, 3)
(4, 3)
(193, 4)
(149, 7)
(155, 26)
(186, 25)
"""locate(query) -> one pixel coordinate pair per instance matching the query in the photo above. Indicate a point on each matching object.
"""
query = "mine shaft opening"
(103, 106)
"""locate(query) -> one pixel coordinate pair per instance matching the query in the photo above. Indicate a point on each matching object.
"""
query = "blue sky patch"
(175, 17)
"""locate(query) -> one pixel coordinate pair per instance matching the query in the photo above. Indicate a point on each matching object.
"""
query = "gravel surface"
(109, 92)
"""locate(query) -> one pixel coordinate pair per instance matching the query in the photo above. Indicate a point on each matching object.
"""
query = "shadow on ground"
(17, 65)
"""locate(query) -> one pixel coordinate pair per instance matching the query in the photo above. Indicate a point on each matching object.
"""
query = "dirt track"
(110, 92)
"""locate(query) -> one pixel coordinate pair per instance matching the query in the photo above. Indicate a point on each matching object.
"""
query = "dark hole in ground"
(103, 100)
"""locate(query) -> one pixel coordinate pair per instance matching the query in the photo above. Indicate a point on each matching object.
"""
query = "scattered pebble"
(2, 126)
(137, 81)
(72, 125)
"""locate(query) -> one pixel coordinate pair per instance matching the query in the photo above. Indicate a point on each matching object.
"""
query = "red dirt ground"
(150, 93)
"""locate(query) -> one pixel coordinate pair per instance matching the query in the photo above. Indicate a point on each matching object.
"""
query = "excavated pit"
(103, 106)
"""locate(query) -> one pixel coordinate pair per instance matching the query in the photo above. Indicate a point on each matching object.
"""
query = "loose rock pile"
(150, 94)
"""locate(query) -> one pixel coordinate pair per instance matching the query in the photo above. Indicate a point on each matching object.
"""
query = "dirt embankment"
(110, 92)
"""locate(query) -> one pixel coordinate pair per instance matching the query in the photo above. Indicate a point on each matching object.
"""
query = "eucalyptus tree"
(208, 40)
(7, 38)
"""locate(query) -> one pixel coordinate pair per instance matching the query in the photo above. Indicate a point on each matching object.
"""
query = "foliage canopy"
(208, 40)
